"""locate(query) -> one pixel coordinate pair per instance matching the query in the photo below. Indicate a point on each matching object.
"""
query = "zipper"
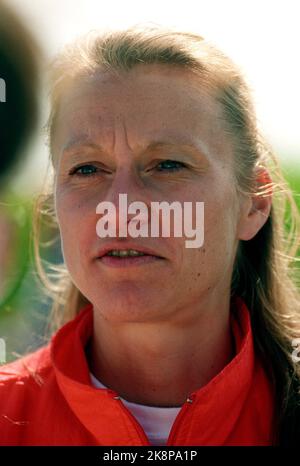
(178, 419)
(137, 425)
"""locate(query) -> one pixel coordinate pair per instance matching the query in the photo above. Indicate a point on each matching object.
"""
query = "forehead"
(149, 101)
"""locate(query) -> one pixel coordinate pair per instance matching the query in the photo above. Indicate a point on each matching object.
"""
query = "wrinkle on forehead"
(131, 103)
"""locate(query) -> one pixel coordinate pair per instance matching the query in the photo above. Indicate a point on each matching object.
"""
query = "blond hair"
(264, 273)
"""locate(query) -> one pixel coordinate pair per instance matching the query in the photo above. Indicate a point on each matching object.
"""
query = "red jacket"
(47, 398)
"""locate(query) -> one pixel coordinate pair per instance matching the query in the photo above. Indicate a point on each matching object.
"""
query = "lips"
(125, 246)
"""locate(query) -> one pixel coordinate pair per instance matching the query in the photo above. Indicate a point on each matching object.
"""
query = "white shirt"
(156, 422)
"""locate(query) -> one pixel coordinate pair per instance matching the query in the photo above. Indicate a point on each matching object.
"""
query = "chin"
(125, 309)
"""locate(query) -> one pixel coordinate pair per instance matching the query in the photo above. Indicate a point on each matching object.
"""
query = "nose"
(126, 181)
(127, 188)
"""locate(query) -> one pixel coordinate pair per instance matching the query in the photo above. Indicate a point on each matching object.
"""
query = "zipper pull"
(190, 398)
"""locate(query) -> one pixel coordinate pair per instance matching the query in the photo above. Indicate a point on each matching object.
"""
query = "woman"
(183, 346)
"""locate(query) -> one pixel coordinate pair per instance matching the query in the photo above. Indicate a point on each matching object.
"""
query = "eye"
(170, 165)
(84, 170)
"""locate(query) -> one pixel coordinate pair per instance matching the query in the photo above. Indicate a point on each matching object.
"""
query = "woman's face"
(106, 124)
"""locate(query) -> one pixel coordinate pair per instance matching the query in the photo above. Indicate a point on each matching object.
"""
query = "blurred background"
(262, 37)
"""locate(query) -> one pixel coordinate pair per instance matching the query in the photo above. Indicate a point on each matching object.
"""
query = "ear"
(255, 209)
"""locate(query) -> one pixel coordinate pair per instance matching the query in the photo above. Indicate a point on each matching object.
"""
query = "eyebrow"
(73, 144)
(153, 146)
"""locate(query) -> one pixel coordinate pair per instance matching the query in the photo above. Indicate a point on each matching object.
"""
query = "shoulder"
(25, 388)
(24, 378)
(26, 367)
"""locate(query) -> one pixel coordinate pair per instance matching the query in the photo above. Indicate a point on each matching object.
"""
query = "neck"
(162, 363)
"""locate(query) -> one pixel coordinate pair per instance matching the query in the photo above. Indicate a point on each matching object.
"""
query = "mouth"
(128, 257)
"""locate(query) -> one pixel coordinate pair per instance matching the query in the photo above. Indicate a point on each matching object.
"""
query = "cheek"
(220, 234)
(77, 224)
(220, 212)
(214, 258)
